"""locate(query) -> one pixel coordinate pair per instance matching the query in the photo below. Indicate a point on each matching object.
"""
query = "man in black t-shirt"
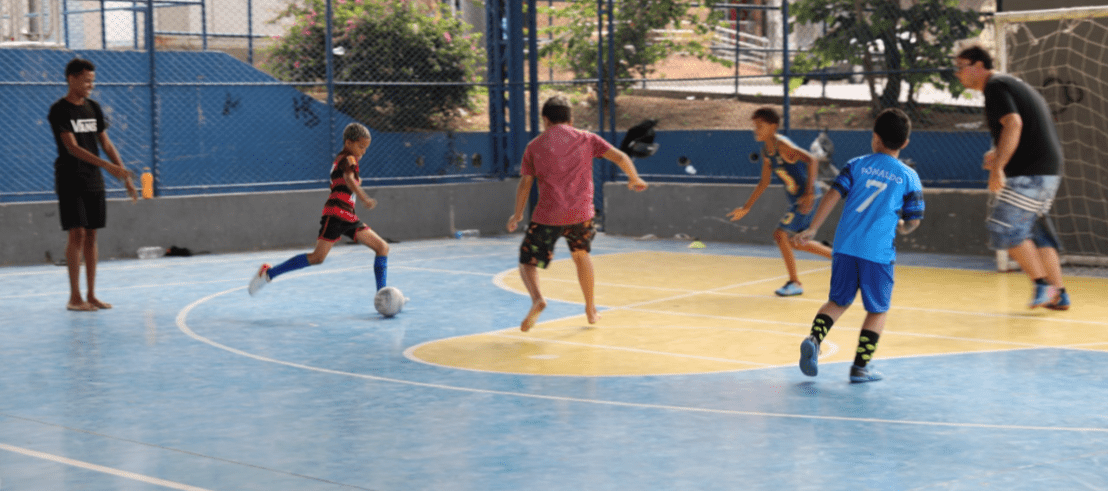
(1025, 166)
(79, 132)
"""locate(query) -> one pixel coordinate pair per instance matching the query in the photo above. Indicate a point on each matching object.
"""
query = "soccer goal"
(1064, 54)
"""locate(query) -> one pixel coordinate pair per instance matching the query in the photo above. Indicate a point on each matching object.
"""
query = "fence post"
(785, 69)
(151, 48)
(330, 57)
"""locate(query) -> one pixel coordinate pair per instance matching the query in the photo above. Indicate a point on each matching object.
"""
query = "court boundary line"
(134, 476)
(182, 325)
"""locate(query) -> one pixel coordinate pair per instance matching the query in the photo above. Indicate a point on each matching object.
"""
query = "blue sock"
(294, 263)
(380, 268)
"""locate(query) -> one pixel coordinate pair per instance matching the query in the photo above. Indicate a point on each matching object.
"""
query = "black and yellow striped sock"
(867, 344)
(821, 325)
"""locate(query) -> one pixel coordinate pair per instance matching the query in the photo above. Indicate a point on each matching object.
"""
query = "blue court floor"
(191, 384)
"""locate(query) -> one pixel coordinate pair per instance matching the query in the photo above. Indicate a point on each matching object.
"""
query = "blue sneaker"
(1062, 303)
(1044, 294)
(860, 375)
(790, 290)
(809, 356)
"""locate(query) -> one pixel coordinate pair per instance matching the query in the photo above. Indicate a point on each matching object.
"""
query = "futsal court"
(688, 382)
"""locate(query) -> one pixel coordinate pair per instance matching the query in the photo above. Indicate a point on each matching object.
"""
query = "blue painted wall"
(943, 159)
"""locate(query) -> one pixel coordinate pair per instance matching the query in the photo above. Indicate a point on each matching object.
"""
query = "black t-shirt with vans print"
(85, 122)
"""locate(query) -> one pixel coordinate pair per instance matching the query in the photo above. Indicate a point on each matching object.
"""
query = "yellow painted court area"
(680, 313)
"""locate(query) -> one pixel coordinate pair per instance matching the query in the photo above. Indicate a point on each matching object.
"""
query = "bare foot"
(81, 307)
(95, 302)
(532, 316)
(592, 315)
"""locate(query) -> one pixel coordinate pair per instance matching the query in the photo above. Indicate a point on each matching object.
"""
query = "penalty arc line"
(182, 325)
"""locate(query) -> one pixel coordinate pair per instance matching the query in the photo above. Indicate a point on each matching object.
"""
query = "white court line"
(99, 468)
(182, 325)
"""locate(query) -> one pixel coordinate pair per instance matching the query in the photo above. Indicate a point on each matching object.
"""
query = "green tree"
(892, 36)
(377, 42)
(638, 44)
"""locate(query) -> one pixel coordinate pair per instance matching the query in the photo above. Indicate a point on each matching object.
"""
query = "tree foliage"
(380, 41)
(638, 43)
(898, 35)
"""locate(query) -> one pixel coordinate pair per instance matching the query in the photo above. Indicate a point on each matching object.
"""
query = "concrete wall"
(31, 232)
(954, 222)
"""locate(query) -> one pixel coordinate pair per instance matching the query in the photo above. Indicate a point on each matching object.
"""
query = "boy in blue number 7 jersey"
(797, 170)
(883, 196)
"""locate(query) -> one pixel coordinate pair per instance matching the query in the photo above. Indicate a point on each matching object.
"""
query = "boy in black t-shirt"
(79, 132)
(1025, 168)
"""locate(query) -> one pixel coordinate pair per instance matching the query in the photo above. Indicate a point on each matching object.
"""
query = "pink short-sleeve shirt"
(560, 159)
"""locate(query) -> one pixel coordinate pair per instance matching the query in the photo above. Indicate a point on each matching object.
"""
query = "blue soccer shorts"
(850, 274)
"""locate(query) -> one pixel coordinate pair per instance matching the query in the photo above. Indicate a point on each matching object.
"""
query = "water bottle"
(150, 252)
(471, 233)
(147, 180)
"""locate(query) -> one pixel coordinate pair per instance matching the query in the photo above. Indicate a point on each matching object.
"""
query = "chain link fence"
(252, 95)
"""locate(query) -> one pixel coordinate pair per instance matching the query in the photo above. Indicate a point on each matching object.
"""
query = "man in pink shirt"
(560, 159)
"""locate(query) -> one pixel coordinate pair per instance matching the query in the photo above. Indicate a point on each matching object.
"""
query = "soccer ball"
(388, 301)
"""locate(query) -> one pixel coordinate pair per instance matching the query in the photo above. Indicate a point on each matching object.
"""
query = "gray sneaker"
(809, 356)
(864, 374)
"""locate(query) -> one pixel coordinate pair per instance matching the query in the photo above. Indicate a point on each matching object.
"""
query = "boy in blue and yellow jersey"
(797, 169)
(338, 215)
(883, 196)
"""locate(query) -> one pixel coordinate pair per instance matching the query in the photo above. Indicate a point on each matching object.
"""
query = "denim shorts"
(1013, 212)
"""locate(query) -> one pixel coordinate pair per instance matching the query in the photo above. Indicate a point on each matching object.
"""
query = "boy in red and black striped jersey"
(338, 215)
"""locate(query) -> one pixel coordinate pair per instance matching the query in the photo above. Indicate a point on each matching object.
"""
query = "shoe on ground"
(1044, 294)
(790, 290)
(859, 375)
(809, 356)
(1061, 303)
(259, 280)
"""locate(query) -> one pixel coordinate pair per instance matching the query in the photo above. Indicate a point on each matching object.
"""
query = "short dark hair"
(78, 66)
(767, 114)
(557, 109)
(893, 127)
(974, 54)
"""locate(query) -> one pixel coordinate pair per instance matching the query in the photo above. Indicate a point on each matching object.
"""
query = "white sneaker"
(259, 280)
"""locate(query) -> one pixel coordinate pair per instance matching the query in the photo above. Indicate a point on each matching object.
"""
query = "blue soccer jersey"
(793, 175)
(877, 189)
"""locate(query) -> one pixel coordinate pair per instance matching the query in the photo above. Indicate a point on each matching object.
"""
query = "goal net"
(1064, 54)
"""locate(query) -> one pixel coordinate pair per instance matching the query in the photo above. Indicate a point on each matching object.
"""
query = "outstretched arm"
(763, 183)
(825, 206)
(523, 191)
(114, 167)
(634, 182)
(355, 184)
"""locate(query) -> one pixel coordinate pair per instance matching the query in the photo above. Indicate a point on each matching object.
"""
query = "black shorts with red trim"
(332, 228)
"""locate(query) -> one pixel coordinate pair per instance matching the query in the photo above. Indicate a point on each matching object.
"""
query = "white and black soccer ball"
(389, 301)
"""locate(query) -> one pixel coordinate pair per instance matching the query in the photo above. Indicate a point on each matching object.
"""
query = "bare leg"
(781, 237)
(74, 247)
(874, 322)
(92, 256)
(816, 248)
(1028, 258)
(322, 248)
(1052, 266)
(530, 276)
(832, 310)
(370, 239)
(586, 276)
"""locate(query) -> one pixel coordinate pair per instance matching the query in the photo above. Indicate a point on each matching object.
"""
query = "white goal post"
(1064, 54)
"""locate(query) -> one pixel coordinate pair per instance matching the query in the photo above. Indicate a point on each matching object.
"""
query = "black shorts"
(538, 244)
(331, 228)
(87, 209)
